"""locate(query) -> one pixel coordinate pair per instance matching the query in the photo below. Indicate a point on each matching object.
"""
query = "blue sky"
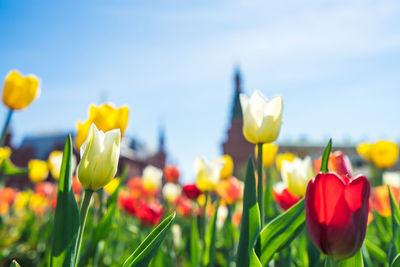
(336, 64)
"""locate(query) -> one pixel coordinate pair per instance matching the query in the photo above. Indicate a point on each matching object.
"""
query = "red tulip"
(191, 191)
(338, 162)
(171, 174)
(285, 199)
(149, 214)
(45, 189)
(337, 213)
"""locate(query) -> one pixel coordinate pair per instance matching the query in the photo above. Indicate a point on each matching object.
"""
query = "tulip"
(284, 157)
(191, 191)
(364, 150)
(54, 163)
(45, 189)
(269, 152)
(227, 168)
(230, 190)
(283, 197)
(38, 204)
(99, 158)
(296, 175)
(171, 174)
(112, 186)
(338, 162)
(5, 153)
(391, 178)
(106, 117)
(262, 118)
(208, 173)
(337, 213)
(76, 185)
(183, 206)
(171, 192)
(149, 214)
(384, 154)
(38, 170)
(380, 199)
(18, 91)
(128, 203)
(22, 200)
(7, 195)
(152, 178)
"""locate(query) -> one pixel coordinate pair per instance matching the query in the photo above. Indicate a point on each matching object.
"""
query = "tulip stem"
(205, 217)
(5, 127)
(260, 183)
(83, 215)
(329, 262)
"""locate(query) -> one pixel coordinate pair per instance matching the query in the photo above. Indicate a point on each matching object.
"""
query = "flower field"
(85, 210)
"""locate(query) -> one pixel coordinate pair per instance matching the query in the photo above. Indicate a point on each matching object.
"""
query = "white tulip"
(171, 192)
(208, 173)
(262, 118)
(391, 178)
(152, 178)
(99, 158)
(296, 175)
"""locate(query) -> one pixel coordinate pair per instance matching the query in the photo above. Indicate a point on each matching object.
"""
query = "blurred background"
(180, 66)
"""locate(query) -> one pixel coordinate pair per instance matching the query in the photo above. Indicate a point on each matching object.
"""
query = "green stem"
(83, 215)
(260, 183)
(205, 217)
(329, 262)
(5, 127)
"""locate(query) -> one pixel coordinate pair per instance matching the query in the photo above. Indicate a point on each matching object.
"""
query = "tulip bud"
(99, 158)
(296, 175)
(262, 118)
(338, 162)
(19, 91)
(337, 213)
(208, 173)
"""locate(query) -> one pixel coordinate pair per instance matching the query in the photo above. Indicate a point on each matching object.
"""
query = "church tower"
(235, 144)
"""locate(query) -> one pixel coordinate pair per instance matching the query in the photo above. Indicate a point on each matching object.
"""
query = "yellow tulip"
(208, 173)
(296, 175)
(54, 163)
(112, 186)
(38, 170)
(22, 200)
(227, 168)
(262, 118)
(284, 157)
(19, 91)
(106, 117)
(5, 153)
(269, 153)
(152, 178)
(364, 150)
(99, 158)
(384, 154)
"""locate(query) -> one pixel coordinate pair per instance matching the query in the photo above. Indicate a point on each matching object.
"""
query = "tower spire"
(237, 109)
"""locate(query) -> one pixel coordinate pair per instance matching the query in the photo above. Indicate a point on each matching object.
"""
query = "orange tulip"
(381, 201)
(230, 190)
(338, 162)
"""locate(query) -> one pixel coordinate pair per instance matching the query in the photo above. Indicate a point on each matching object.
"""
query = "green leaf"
(355, 261)
(66, 219)
(325, 157)
(148, 248)
(194, 244)
(114, 196)
(376, 252)
(396, 261)
(250, 224)
(281, 231)
(14, 263)
(209, 240)
(395, 243)
(8, 168)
